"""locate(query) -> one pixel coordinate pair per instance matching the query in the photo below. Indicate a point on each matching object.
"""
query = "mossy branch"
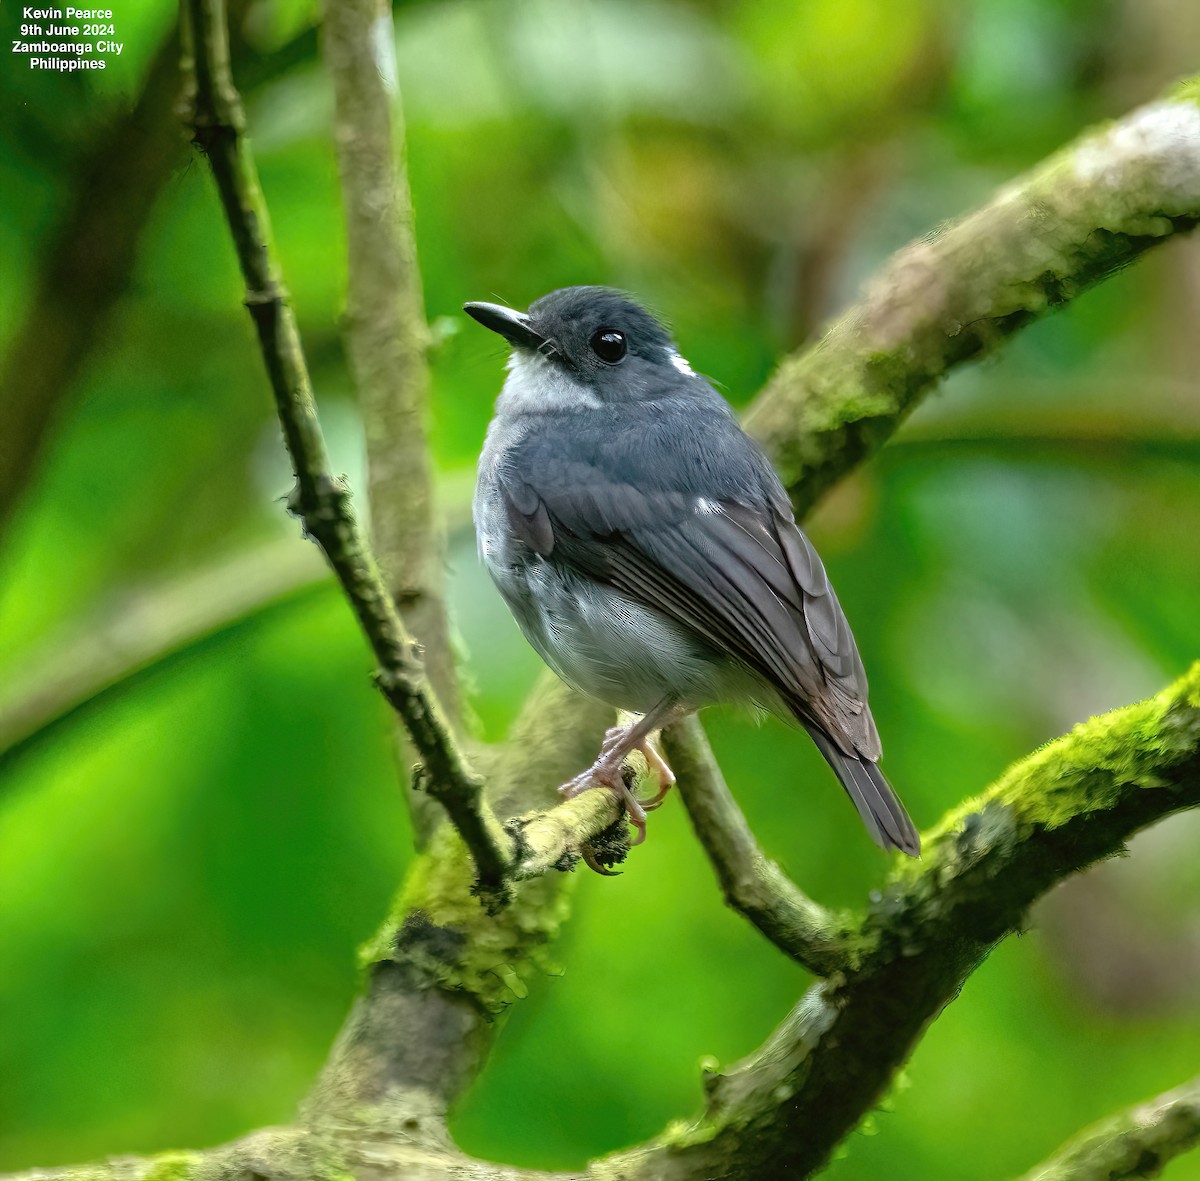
(214, 112)
(1138, 1142)
(1080, 216)
(442, 971)
(804, 1030)
(782, 1111)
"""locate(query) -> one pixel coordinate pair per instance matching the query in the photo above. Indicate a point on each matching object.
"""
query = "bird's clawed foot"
(606, 771)
(603, 774)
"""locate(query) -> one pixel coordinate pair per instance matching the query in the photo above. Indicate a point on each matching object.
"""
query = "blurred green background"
(188, 861)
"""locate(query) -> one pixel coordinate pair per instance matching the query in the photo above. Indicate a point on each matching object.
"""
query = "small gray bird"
(649, 553)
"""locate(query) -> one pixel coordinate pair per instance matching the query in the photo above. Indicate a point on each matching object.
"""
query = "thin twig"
(556, 838)
(753, 885)
(214, 113)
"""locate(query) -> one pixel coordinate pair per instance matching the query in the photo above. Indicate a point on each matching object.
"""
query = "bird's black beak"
(513, 326)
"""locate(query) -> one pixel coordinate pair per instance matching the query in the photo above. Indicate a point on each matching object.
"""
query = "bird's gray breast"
(601, 642)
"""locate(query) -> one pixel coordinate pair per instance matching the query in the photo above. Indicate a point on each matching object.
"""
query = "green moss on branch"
(442, 972)
(781, 1111)
(1085, 213)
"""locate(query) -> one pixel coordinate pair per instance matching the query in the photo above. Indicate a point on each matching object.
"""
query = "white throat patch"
(535, 384)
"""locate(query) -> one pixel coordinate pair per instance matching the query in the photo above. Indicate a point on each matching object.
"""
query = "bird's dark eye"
(609, 345)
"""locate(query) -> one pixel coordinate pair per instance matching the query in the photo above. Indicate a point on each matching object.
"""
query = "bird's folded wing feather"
(741, 576)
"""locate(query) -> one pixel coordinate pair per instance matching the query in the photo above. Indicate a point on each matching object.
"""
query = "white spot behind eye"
(681, 364)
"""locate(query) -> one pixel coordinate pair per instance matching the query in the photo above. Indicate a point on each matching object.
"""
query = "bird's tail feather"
(881, 811)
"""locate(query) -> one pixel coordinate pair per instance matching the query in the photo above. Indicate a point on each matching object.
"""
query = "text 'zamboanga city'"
(67, 39)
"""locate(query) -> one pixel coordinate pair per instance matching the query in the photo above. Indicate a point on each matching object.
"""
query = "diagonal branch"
(147, 627)
(442, 971)
(387, 337)
(753, 885)
(782, 1111)
(322, 501)
(1077, 218)
(214, 112)
(1137, 1142)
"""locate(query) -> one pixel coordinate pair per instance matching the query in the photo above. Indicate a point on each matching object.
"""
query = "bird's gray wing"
(740, 575)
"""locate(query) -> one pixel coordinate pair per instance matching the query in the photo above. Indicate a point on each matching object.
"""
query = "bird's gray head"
(582, 347)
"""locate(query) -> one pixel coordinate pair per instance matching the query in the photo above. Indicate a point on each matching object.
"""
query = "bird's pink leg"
(662, 772)
(619, 743)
